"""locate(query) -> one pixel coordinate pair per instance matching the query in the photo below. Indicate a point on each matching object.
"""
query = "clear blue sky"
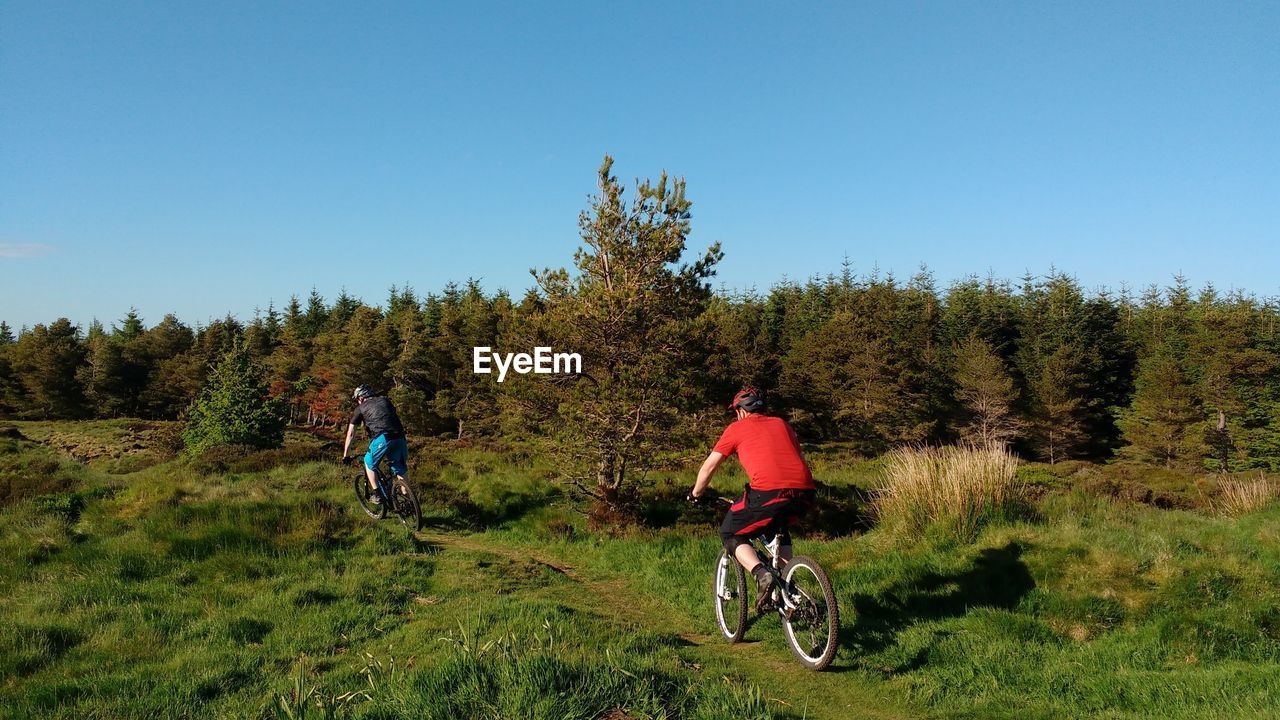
(211, 157)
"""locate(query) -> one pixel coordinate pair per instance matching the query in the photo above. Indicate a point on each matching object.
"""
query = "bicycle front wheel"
(406, 504)
(810, 618)
(729, 592)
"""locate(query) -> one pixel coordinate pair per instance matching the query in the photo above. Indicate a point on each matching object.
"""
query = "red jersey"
(769, 452)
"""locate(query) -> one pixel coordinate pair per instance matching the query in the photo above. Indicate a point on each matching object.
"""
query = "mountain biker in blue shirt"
(386, 434)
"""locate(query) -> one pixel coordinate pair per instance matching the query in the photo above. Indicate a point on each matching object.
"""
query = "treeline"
(1174, 377)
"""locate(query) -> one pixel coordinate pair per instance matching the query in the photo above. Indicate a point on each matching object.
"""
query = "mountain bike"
(801, 595)
(400, 500)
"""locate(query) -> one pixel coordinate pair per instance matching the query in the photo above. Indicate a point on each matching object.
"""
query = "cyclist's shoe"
(375, 497)
(764, 590)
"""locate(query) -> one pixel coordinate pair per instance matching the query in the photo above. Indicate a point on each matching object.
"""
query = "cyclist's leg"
(398, 455)
(743, 521)
(746, 555)
(798, 504)
(377, 449)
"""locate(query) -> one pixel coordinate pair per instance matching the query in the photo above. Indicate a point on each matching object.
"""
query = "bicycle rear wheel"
(406, 504)
(811, 620)
(377, 511)
(729, 592)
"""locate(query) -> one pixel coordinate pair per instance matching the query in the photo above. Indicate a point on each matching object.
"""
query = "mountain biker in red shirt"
(781, 487)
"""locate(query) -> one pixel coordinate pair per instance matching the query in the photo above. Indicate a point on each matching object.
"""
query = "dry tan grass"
(1238, 496)
(955, 486)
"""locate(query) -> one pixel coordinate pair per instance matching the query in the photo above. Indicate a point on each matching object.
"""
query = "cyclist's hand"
(346, 459)
(696, 499)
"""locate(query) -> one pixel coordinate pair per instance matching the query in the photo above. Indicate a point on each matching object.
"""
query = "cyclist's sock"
(759, 571)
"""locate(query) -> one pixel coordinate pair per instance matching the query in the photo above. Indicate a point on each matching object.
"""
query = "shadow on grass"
(450, 509)
(31, 648)
(425, 547)
(997, 578)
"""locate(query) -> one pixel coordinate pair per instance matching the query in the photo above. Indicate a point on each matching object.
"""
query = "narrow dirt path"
(792, 689)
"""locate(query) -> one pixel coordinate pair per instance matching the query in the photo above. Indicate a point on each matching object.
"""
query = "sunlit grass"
(170, 592)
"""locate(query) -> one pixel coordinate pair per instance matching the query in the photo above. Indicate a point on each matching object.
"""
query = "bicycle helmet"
(362, 391)
(750, 399)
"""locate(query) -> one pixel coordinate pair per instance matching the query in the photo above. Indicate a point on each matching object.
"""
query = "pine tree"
(920, 379)
(1109, 365)
(343, 309)
(10, 390)
(103, 375)
(175, 372)
(364, 350)
(839, 384)
(629, 309)
(983, 309)
(6, 334)
(316, 315)
(131, 326)
(463, 398)
(1233, 367)
(740, 352)
(234, 408)
(45, 361)
(262, 336)
(986, 393)
(1053, 358)
(293, 319)
(1058, 410)
(1161, 424)
(271, 326)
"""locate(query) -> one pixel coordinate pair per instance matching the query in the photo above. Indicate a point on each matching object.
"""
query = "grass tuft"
(955, 489)
(1238, 496)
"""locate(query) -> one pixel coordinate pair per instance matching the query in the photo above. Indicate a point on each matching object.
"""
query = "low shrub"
(239, 459)
(65, 505)
(29, 470)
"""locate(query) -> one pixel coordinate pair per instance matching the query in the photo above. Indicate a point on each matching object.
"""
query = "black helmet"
(750, 399)
(362, 391)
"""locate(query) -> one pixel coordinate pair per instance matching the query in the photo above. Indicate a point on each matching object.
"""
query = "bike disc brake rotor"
(808, 621)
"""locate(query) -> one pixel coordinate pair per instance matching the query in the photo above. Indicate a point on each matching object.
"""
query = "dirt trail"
(789, 688)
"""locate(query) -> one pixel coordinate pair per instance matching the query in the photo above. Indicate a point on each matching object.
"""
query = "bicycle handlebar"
(709, 495)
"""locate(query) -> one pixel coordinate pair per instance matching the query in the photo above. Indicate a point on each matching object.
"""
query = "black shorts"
(765, 512)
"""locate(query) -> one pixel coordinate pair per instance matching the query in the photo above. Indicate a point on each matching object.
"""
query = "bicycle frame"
(395, 497)
(769, 549)
(815, 611)
(381, 478)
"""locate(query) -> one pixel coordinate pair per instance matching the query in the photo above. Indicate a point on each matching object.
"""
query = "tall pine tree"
(986, 394)
(1161, 425)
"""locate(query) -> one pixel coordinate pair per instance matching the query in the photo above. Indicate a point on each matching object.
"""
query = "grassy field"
(137, 584)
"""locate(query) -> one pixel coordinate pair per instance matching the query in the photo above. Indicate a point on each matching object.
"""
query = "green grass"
(29, 469)
(179, 594)
(259, 590)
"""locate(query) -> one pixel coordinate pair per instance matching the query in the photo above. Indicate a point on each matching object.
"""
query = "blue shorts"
(397, 451)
